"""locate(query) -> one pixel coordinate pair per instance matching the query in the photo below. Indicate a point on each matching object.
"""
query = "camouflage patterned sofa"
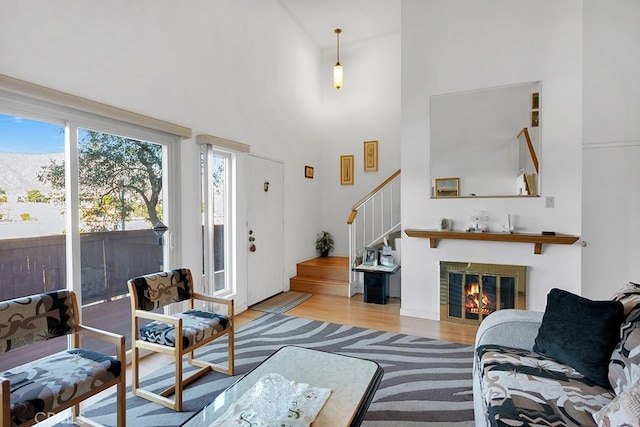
(34, 391)
(576, 364)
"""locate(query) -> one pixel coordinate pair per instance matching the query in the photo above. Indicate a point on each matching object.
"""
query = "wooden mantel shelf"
(537, 239)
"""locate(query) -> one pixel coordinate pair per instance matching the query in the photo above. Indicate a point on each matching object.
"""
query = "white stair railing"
(371, 220)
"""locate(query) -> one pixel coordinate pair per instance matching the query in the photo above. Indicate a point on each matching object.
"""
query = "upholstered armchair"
(177, 334)
(32, 392)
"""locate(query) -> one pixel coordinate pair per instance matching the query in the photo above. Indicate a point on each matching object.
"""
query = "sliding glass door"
(83, 208)
(32, 223)
(120, 203)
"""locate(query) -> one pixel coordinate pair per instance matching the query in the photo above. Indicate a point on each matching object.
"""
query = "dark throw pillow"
(580, 333)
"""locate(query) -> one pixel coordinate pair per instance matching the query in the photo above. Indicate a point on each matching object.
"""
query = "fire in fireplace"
(470, 291)
(478, 302)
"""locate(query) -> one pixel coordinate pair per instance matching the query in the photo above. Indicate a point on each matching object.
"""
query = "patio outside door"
(265, 228)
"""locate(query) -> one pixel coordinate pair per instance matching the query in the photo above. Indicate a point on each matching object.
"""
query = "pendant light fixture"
(337, 69)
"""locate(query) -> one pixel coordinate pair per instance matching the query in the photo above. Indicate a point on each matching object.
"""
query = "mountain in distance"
(19, 172)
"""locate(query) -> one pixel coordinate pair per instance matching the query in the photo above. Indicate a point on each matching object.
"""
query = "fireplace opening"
(470, 291)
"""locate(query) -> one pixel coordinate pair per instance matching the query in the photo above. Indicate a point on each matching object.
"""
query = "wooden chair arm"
(5, 401)
(175, 321)
(116, 339)
(228, 302)
(107, 336)
(224, 301)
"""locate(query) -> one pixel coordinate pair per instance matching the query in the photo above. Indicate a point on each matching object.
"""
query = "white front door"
(265, 228)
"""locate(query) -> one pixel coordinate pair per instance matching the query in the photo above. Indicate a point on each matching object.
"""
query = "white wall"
(450, 46)
(366, 108)
(484, 152)
(611, 131)
(237, 69)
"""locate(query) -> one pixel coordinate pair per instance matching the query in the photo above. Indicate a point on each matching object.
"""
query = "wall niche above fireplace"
(469, 292)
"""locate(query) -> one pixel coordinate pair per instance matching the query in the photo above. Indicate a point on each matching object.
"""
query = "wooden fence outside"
(108, 259)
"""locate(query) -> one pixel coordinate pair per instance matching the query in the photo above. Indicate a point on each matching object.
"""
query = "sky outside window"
(25, 136)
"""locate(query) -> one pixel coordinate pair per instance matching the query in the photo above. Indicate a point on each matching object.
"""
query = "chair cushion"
(35, 318)
(47, 383)
(159, 289)
(196, 326)
(523, 388)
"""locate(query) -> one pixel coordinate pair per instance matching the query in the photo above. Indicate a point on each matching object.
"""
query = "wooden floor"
(386, 317)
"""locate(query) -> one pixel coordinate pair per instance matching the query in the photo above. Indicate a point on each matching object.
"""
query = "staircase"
(328, 276)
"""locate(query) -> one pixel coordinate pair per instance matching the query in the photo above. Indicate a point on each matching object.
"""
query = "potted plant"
(324, 243)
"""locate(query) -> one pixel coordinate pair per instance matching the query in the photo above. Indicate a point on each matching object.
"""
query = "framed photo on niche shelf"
(447, 187)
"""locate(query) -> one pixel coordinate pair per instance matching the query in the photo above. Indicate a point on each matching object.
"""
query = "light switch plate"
(550, 201)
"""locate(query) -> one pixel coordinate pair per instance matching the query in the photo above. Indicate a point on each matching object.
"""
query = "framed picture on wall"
(371, 156)
(346, 170)
(308, 172)
(447, 187)
(535, 100)
(535, 118)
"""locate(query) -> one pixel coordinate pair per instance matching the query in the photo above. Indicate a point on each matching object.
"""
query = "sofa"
(575, 364)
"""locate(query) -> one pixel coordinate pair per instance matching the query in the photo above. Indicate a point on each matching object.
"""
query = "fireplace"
(470, 291)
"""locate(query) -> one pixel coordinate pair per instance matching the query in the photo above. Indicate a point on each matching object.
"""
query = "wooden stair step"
(328, 275)
(315, 285)
(336, 268)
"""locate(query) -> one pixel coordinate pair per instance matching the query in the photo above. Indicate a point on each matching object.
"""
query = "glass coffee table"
(353, 382)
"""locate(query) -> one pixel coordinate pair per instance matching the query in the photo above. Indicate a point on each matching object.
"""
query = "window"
(217, 218)
(78, 207)
(32, 241)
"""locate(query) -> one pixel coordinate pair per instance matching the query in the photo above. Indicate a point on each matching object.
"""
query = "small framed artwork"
(535, 100)
(370, 256)
(346, 170)
(447, 187)
(535, 118)
(308, 172)
(371, 156)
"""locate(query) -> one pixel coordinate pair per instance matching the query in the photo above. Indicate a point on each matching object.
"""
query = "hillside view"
(18, 217)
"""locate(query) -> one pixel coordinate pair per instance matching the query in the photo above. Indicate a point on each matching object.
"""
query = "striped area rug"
(426, 382)
(282, 302)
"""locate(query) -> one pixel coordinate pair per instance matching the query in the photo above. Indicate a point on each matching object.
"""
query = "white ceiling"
(358, 19)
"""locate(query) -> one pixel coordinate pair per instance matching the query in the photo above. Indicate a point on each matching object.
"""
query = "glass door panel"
(120, 202)
(32, 220)
(217, 219)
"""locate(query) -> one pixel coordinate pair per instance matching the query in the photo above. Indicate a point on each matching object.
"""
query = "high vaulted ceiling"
(358, 19)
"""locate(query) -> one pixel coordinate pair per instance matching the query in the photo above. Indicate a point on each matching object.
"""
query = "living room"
(586, 105)
(246, 71)
(208, 62)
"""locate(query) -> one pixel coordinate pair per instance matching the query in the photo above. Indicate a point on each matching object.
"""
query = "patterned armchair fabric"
(159, 289)
(196, 326)
(41, 387)
(24, 321)
(59, 381)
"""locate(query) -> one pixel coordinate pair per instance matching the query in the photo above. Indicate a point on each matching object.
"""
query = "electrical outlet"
(550, 201)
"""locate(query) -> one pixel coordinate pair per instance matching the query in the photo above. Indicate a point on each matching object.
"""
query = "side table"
(376, 282)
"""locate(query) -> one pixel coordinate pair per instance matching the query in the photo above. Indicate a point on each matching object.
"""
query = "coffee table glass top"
(353, 382)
